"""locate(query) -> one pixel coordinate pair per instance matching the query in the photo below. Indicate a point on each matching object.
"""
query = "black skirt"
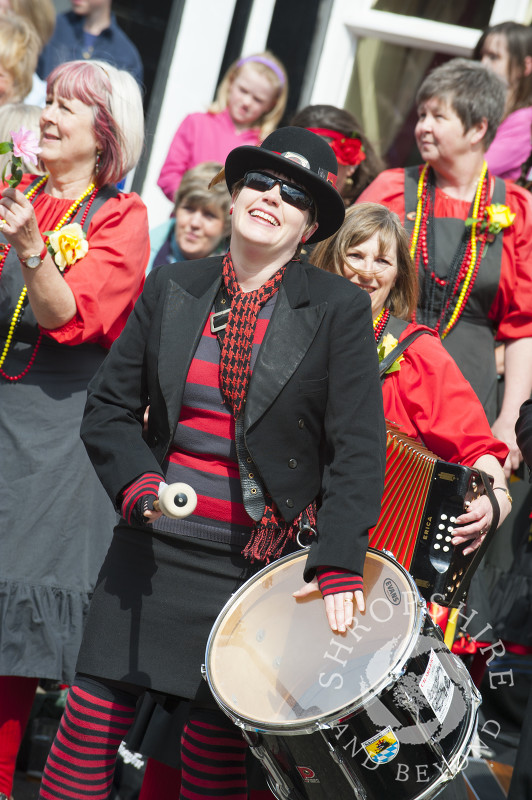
(155, 603)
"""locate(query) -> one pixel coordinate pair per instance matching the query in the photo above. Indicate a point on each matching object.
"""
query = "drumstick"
(177, 500)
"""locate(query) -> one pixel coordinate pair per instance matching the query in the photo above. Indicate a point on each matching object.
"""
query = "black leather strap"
(477, 556)
(394, 354)
(250, 481)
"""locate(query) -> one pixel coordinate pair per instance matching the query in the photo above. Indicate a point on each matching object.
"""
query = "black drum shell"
(326, 764)
(409, 706)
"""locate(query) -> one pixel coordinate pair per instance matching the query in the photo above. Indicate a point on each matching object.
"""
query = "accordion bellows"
(422, 498)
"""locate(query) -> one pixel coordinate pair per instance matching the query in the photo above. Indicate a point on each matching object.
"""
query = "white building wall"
(191, 84)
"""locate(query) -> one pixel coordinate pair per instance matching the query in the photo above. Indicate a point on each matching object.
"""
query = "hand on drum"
(474, 524)
(339, 607)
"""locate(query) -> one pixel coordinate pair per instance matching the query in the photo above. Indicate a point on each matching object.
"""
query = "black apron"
(472, 340)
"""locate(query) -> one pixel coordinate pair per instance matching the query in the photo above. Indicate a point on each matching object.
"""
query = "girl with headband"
(248, 106)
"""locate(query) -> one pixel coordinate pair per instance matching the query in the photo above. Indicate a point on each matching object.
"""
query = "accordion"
(422, 498)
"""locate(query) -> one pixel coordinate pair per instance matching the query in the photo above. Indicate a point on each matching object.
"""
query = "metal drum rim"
(298, 727)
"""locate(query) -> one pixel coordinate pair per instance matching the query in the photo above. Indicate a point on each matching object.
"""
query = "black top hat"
(305, 158)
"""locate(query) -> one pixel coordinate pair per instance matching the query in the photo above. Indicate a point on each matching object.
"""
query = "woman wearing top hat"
(242, 359)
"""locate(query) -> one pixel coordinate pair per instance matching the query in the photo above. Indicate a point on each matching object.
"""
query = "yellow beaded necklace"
(419, 212)
(20, 302)
(380, 322)
(377, 320)
(466, 286)
(473, 238)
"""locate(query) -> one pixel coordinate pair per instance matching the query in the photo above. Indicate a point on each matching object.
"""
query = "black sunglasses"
(290, 193)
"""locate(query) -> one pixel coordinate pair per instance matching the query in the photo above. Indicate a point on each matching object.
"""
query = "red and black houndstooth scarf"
(270, 535)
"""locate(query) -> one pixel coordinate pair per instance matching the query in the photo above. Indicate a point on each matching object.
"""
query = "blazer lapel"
(288, 337)
(184, 317)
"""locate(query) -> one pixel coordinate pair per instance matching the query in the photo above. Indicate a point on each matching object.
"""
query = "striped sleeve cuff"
(146, 484)
(332, 580)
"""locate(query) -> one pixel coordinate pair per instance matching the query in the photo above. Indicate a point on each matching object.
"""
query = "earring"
(97, 164)
(303, 239)
(231, 209)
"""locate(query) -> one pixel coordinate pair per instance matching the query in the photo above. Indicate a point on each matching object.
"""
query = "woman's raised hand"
(20, 226)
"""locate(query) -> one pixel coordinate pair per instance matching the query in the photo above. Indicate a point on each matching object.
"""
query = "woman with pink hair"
(73, 252)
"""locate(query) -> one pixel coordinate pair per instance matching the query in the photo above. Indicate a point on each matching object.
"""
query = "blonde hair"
(40, 13)
(196, 187)
(269, 121)
(361, 222)
(19, 50)
(12, 117)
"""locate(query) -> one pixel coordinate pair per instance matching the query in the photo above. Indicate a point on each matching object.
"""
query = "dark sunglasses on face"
(290, 193)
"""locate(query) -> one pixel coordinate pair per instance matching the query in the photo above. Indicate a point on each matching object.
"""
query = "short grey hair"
(474, 93)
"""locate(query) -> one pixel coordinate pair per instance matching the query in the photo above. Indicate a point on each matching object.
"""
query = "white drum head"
(273, 663)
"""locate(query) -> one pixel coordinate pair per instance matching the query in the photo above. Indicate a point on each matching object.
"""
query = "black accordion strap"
(479, 554)
(394, 354)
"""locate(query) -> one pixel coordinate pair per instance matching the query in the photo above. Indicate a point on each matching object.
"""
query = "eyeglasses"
(290, 192)
(358, 265)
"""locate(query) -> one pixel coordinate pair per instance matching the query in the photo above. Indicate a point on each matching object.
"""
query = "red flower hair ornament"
(349, 151)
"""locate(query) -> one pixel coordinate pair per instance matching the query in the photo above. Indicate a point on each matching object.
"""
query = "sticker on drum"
(437, 687)
(273, 663)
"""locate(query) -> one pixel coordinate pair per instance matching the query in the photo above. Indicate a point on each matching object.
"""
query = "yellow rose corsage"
(499, 217)
(386, 346)
(67, 245)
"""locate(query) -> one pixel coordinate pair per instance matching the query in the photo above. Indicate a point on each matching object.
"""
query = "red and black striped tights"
(96, 719)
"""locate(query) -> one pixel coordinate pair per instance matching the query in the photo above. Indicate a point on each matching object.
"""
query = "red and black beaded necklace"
(379, 324)
(442, 300)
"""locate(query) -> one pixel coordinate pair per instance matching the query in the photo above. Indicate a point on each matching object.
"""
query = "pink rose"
(25, 145)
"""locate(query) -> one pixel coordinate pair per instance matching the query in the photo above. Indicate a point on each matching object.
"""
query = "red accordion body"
(422, 498)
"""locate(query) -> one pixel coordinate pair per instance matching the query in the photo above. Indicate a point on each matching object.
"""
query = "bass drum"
(384, 709)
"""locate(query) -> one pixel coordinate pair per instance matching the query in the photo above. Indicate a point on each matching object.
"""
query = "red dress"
(429, 399)
(107, 281)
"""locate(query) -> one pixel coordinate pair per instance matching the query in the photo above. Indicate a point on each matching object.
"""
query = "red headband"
(348, 151)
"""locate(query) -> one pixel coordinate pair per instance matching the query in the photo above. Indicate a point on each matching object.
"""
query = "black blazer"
(313, 421)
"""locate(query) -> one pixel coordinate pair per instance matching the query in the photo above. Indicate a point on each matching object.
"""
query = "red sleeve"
(388, 189)
(108, 280)
(512, 308)
(429, 399)
(178, 159)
